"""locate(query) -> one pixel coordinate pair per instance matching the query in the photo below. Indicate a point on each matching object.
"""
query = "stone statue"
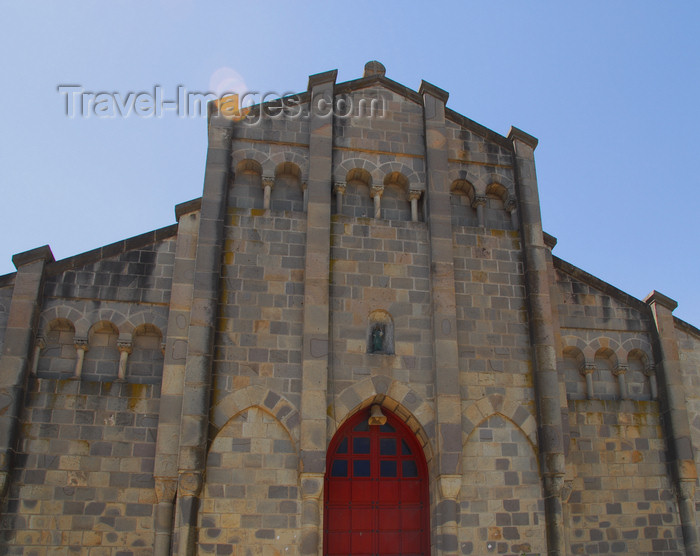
(377, 338)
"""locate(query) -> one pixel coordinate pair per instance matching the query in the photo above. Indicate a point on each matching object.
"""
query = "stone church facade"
(357, 341)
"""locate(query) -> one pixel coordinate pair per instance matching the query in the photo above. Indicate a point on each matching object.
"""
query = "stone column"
(17, 349)
(546, 376)
(620, 372)
(168, 439)
(674, 416)
(445, 343)
(124, 351)
(188, 488)
(413, 197)
(39, 344)
(587, 371)
(194, 422)
(267, 183)
(479, 203)
(315, 343)
(81, 346)
(339, 188)
(376, 194)
(165, 496)
(311, 491)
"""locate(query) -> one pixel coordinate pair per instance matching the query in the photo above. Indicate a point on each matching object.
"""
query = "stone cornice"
(549, 240)
(661, 299)
(520, 135)
(434, 91)
(187, 207)
(40, 253)
(321, 78)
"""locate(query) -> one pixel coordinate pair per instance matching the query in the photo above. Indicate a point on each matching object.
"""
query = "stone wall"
(622, 500)
(379, 266)
(259, 326)
(83, 477)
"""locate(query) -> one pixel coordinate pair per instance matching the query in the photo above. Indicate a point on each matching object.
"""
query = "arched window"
(376, 489)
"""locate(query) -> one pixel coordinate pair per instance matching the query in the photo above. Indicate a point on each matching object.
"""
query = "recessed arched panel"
(357, 201)
(376, 489)
(461, 198)
(638, 386)
(501, 495)
(572, 365)
(247, 189)
(287, 193)
(57, 359)
(145, 364)
(251, 486)
(102, 357)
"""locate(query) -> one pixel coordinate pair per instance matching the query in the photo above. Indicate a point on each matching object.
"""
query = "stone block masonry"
(83, 474)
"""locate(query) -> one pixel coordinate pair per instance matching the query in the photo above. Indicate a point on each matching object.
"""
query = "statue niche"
(380, 333)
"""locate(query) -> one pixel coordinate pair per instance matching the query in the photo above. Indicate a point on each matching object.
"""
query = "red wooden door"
(376, 491)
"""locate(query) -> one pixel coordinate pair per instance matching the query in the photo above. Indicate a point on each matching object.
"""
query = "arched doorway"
(376, 490)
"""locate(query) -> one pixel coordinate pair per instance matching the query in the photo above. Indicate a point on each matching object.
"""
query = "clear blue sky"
(611, 90)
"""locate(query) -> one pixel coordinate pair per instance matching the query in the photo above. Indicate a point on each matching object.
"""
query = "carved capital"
(190, 483)
(267, 181)
(685, 490)
(566, 490)
(311, 485)
(650, 370)
(619, 370)
(376, 191)
(587, 369)
(339, 187)
(510, 205)
(450, 486)
(414, 194)
(165, 489)
(162, 348)
(479, 201)
(40, 342)
(124, 347)
(553, 485)
(81, 344)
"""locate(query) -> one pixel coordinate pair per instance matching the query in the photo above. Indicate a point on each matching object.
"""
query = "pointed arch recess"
(495, 404)
(255, 396)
